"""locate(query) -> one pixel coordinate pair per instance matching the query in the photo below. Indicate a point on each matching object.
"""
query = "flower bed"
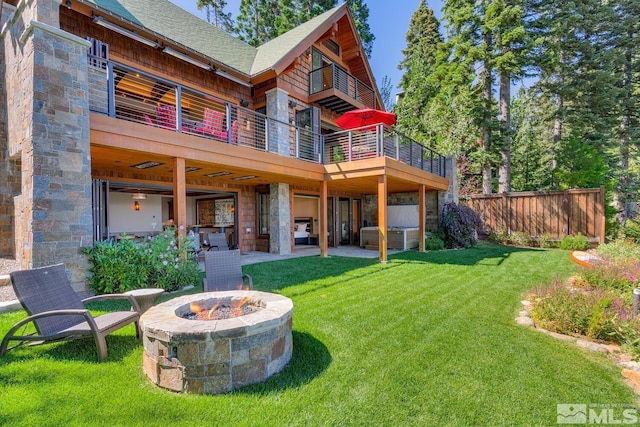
(596, 303)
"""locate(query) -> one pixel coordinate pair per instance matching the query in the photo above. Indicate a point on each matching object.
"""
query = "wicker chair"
(218, 242)
(58, 314)
(223, 272)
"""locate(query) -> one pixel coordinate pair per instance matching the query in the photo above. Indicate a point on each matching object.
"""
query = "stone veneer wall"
(280, 219)
(9, 170)
(46, 82)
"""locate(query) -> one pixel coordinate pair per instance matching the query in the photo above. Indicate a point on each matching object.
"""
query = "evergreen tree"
(418, 83)
(472, 45)
(360, 13)
(532, 141)
(216, 14)
(504, 19)
(627, 133)
(255, 23)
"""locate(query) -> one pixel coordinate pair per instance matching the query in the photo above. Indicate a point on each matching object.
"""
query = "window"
(263, 213)
(332, 46)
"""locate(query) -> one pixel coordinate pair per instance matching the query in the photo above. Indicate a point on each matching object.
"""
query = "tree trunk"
(487, 82)
(504, 172)
(624, 197)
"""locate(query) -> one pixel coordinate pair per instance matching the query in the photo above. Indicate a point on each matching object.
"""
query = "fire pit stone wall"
(216, 356)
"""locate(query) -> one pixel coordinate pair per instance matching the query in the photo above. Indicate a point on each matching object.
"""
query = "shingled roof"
(176, 25)
(273, 51)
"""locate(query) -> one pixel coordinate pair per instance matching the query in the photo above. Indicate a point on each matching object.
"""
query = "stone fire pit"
(216, 356)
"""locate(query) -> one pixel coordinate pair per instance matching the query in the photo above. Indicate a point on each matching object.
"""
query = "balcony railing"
(381, 140)
(333, 76)
(139, 97)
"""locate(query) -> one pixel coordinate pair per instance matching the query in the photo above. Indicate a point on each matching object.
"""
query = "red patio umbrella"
(364, 117)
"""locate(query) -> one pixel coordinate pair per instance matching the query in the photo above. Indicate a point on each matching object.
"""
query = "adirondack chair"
(58, 314)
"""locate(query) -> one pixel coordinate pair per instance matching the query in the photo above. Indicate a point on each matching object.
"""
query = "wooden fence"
(556, 213)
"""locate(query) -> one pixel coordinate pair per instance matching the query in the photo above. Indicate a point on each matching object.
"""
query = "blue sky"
(389, 21)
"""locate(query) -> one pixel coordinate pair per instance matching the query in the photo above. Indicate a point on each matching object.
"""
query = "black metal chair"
(58, 314)
(223, 272)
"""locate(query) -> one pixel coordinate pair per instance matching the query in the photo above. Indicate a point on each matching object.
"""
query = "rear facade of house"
(121, 117)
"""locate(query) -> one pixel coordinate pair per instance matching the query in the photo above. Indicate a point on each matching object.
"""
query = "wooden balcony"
(334, 88)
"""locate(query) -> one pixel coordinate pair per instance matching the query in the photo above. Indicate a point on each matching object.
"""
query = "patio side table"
(145, 298)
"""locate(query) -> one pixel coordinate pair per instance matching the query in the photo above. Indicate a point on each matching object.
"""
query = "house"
(119, 116)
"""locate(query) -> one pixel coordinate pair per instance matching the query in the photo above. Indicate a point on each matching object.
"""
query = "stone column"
(46, 83)
(278, 109)
(451, 195)
(280, 219)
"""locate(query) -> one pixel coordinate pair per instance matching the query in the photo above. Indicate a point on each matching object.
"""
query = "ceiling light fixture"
(118, 29)
(139, 196)
(242, 178)
(216, 174)
(146, 165)
(186, 58)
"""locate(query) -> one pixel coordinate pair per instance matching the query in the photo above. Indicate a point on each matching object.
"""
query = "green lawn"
(425, 340)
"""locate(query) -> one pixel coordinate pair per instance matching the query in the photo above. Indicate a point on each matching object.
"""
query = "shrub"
(621, 251)
(116, 266)
(545, 241)
(631, 230)
(520, 238)
(574, 243)
(170, 267)
(459, 226)
(161, 261)
(500, 236)
(433, 243)
(589, 312)
(612, 277)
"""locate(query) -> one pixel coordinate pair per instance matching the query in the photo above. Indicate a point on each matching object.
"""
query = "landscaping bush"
(631, 230)
(623, 251)
(433, 243)
(116, 266)
(459, 225)
(520, 238)
(589, 312)
(500, 236)
(545, 241)
(612, 277)
(574, 243)
(159, 262)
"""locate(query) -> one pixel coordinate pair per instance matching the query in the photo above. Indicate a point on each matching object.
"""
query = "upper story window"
(98, 53)
(332, 46)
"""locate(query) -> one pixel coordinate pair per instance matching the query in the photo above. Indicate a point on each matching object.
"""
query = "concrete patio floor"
(302, 251)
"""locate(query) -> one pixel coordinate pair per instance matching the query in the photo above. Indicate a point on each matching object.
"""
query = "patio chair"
(58, 314)
(223, 272)
(217, 242)
(166, 116)
(212, 124)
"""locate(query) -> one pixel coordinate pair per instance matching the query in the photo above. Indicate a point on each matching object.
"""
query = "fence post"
(601, 215)
(565, 213)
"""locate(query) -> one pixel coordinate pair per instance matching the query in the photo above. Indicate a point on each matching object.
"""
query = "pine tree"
(626, 41)
(419, 87)
(504, 19)
(216, 14)
(472, 45)
(360, 12)
(258, 21)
